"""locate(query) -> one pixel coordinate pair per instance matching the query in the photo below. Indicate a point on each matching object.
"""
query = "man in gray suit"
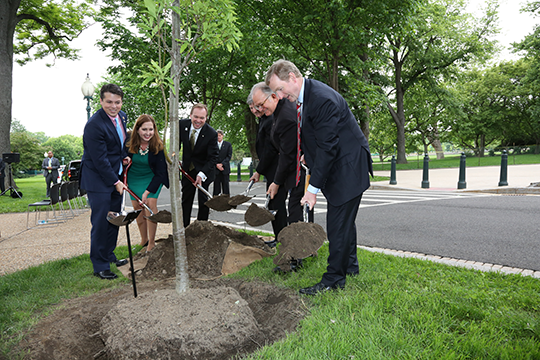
(50, 170)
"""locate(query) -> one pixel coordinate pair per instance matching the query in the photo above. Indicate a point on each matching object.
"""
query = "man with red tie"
(104, 155)
(337, 154)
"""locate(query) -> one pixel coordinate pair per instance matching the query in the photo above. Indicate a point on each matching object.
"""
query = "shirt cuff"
(202, 175)
(312, 189)
(117, 181)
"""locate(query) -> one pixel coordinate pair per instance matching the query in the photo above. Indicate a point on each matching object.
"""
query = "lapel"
(110, 126)
(307, 93)
(200, 138)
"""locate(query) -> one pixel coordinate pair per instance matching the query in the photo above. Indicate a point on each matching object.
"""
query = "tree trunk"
(438, 148)
(179, 233)
(8, 21)
(399, 116)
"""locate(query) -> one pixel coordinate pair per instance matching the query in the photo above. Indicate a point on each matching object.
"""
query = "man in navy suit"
(337, 154)
(199, 158)
(221, 183)
(104, 152)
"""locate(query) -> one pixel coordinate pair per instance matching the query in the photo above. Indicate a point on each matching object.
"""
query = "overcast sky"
(49, 99)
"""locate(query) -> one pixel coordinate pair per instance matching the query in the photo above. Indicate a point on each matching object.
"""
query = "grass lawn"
(397, 308)
(452, 161)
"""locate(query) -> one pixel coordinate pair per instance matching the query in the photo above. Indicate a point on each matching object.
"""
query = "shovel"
(243, 197)
(256, 216)
(218, 203)
(118, 219)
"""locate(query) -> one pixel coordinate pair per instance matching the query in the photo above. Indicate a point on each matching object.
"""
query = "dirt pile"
(215, 319)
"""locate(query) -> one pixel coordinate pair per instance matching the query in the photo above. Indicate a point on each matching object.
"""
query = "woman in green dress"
(147, 174)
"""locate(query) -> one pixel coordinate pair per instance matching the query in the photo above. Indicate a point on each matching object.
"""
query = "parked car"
(61, 171)
(73, 170)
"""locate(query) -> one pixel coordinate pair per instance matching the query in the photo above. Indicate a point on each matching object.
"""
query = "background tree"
(69, 147)
(29, 148)
(34, 29)
(440, 41)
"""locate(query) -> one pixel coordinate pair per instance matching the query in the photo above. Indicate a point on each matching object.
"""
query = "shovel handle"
(139, 200)
(193, 181)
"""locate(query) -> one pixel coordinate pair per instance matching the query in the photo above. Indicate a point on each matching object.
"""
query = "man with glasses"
(284, 136)
(268, 162)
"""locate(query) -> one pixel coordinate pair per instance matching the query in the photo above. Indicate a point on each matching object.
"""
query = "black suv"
(73, 170)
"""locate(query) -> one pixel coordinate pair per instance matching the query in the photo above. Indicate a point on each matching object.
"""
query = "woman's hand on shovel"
(255, 177)
(310, 199)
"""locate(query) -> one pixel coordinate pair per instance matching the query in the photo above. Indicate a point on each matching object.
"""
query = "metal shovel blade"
(116, 218)
(243, 197)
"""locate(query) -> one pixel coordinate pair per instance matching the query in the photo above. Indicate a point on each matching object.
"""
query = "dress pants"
(341, 231)
(221, 183)
(278, 203)
(103, 235)
(49, 178)
(188, 195)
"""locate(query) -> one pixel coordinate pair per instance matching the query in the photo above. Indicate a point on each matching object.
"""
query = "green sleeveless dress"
(140, 175)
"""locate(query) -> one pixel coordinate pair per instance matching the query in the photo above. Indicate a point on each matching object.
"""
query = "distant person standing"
(50, 167)
(2, 175)
(221, 183)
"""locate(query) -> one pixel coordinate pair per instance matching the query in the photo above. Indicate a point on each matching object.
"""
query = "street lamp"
(88, 90)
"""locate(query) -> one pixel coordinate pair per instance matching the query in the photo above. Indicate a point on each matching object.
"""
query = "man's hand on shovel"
(198, 181)
(272, 190)
(120, 187)
(310, 199)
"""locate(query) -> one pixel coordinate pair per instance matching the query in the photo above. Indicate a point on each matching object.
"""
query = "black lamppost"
(88, 90)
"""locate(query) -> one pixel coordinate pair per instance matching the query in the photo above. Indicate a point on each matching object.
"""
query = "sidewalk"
(484, 179)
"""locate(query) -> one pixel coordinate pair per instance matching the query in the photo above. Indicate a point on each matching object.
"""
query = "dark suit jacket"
(284, 137)
(224, 157)
(266, 151)
(335, 149)
(103, 153)
(158, 165)
(55, 164)
(205, 153)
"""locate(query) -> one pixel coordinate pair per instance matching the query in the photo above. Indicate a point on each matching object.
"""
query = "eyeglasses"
(259, 107)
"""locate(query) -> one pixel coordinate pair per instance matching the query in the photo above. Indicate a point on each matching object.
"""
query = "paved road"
(496, 229)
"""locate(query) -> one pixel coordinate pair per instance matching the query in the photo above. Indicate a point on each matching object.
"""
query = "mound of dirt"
(214, 319)
(206, 248)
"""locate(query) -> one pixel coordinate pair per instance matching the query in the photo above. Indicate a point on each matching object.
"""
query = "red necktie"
(298, 118)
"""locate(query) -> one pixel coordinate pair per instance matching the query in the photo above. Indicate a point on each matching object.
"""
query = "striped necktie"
(299, 119)
(121, 136)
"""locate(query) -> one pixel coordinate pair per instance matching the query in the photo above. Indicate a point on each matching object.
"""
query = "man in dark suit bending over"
(104, 151)
(199, 158)
(337, 154)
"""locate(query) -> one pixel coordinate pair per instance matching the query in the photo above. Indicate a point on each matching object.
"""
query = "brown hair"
(199, 105)
(155, 144)
(282, 68)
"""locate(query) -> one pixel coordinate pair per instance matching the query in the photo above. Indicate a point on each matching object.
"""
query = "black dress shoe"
(121, 262)
(271, 244)
(318, 288)
(106, 275)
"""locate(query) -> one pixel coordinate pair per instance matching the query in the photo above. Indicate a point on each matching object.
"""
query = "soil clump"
(239, 199)
(217, 318)
(256, 216)
(220, 203)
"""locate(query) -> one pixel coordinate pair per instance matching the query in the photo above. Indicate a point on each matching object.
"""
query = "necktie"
(50, 160)
(192, 142)
(121, 136)
(299, 119)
